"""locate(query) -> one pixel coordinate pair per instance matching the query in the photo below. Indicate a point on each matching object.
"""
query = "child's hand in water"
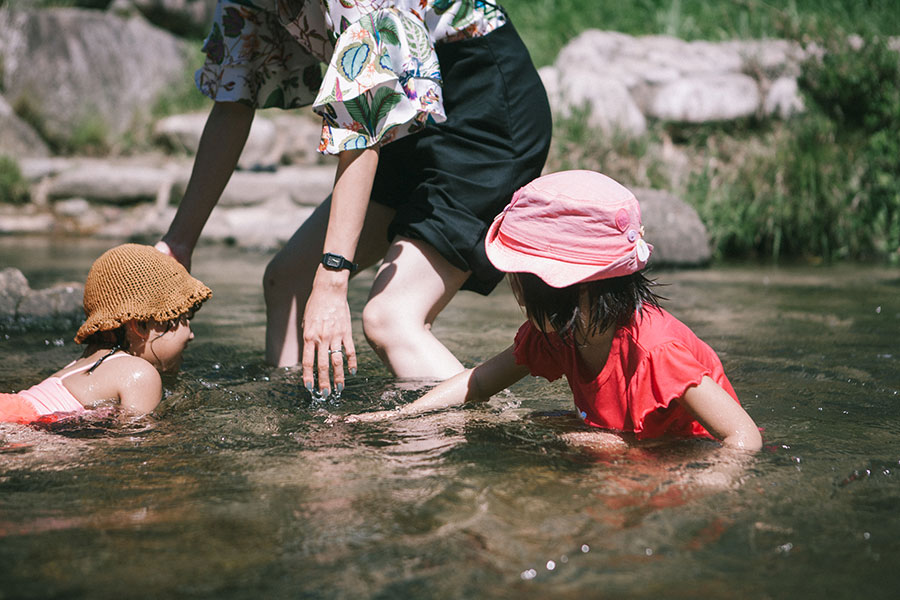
(370, 417)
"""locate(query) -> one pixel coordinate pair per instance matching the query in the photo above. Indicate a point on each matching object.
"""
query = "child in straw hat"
(572, 245)
(138, 304)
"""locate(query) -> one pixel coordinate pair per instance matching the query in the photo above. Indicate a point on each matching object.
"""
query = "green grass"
(546, 25)
(13, 187)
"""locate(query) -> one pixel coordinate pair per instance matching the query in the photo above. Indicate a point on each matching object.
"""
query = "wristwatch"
(336, 261)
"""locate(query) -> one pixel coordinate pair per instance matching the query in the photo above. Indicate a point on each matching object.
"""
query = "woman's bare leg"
(289, 276)
(413, 285)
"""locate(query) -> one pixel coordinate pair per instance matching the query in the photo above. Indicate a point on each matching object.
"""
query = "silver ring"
(338, 351)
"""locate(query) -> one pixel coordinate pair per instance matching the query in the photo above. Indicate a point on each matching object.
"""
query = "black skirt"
(449, 181)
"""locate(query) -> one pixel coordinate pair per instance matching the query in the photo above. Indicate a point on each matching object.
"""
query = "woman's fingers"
(325, 362)
(323, 355)
(307, 361)
(350, 355)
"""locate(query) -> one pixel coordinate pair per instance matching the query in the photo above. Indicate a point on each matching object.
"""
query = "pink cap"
(569, 227)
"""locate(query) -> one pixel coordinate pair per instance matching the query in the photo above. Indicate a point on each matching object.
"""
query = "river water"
(243, 486)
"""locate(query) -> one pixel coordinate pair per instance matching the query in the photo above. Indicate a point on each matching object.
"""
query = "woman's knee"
(384, 321)
(286, 275)
(275, 275)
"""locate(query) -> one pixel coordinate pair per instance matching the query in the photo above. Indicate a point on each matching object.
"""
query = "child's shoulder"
(139, 383)
(134, 380)
(130, 369)
(655, 327)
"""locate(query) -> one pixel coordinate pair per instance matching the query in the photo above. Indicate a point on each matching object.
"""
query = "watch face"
(333, 261)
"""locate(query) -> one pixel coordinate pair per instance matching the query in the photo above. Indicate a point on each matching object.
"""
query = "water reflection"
(242, 484)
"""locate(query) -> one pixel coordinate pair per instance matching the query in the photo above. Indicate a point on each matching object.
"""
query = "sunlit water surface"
(243, 486)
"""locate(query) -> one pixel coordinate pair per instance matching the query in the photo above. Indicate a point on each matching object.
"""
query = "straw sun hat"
(140, 283)
(569, 227)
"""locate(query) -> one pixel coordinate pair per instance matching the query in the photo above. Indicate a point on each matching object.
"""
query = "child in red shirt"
(572, 244)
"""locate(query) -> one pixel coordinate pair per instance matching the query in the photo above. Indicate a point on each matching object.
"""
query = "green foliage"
(13, 187)
(633, 161)
(857, 88)
(830, 186)
(546, 25)
(782, 198)
(90, 136)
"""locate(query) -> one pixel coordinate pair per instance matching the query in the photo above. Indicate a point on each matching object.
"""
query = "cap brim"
(553, 272)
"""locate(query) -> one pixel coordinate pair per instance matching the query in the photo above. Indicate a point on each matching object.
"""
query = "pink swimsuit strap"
(51, 396)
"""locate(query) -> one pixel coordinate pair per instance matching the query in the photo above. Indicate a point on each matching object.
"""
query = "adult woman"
(437, 116)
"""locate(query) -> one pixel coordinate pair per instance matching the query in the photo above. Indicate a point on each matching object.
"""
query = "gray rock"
(181, 17)
(182, 132)
(107, 181)
(703, 98)
(60, 301)
(605, 101)
(13, 287)
(277, 138)
(783, 98)
(35, 169)
(265, 226)
(674, 230)
(25, 219)
(305, 185)
(85, 68)
(298, 139)
(622, 80)
(18, 302)
(17, 138)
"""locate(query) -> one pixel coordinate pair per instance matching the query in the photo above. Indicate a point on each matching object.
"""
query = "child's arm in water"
(472, 385)
(718, 412)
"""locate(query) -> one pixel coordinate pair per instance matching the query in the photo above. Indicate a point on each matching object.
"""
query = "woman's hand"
(182, 255)
(327, 333)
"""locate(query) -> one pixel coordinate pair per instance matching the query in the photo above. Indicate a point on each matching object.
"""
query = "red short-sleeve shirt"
(652, 362)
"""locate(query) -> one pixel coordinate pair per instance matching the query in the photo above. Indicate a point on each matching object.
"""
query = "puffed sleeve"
(662, 378)
(383, 81)
(534, 350)
(251, 58)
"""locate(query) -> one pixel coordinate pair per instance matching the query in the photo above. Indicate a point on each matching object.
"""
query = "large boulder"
(181, 17)
(703, 98)
(17, 138)
(674, 229)
(73, 69)
(619, 81)
(13, 287)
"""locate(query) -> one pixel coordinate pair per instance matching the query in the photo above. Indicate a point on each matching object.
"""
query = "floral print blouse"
(382, 79)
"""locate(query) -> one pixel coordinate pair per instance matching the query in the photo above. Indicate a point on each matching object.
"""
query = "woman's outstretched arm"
(221, 144)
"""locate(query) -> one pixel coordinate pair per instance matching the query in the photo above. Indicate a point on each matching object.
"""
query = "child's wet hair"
(612, 302)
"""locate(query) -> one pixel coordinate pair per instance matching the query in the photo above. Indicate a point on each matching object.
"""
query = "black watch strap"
(336, 261)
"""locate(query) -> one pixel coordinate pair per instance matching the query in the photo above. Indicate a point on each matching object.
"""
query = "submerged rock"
(21, 306)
